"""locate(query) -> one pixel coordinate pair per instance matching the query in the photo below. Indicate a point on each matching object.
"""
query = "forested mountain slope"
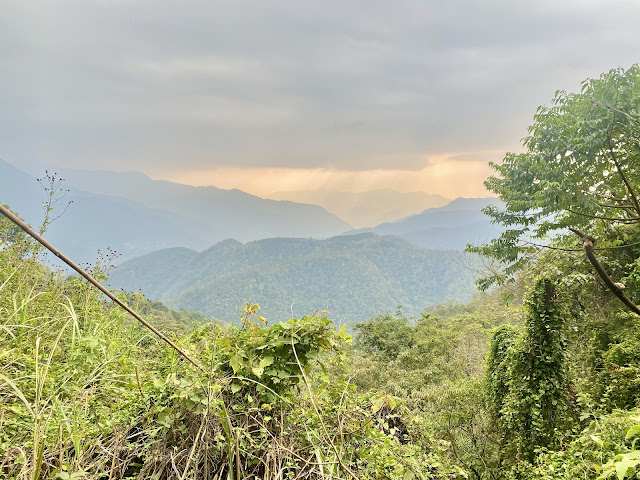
(353, 277)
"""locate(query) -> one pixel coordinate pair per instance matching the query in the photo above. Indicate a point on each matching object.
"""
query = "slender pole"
(95, 283)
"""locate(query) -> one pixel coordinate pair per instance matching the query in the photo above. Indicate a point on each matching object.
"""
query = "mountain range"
(366, 209)
(354, 277)
(214, 213)
(452, 226)
(134, 214)
(263, 251)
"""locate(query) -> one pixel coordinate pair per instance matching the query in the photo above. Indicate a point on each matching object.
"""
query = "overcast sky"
(271, 95)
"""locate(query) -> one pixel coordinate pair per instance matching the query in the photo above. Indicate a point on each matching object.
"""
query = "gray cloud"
(354, 84)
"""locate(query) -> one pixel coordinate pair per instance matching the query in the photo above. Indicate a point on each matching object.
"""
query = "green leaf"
(377, 405)
(633, 430)
(623, 466)
(266, 361)
(596, 439)
(236, 363)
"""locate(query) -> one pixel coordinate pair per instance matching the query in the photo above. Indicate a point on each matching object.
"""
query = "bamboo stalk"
(7, 213)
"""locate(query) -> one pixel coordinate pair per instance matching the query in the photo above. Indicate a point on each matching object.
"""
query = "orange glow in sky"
(444, 174)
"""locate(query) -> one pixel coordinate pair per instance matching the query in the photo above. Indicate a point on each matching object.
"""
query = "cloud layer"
(171, 87)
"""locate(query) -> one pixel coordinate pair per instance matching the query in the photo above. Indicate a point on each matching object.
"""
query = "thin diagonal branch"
(588, 242)
(7, 213)
(634, 198)
(632, 194)
(615, 110)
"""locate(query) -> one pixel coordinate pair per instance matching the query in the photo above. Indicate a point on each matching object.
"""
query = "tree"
(527, 378)
(385, 335)
(580, 173)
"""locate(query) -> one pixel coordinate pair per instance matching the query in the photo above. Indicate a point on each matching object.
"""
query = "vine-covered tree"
(580, 173)
(527, 378)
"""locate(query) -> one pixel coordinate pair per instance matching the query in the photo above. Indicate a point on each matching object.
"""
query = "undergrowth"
(85, 392)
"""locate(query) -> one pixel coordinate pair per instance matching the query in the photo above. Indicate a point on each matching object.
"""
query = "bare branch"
(548, 247)
(632, 194)
(588, 243)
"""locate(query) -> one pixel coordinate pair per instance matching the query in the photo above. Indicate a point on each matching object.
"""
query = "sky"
(281, 95)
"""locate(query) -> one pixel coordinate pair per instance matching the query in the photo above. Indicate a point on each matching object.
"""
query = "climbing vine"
(527, 378)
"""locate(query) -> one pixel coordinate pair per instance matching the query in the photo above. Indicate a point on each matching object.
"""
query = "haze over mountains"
(260, 250)
(452, 226)
(354, 277)
(366, 209)
(216, 214)
(135, 215)
(92, 222)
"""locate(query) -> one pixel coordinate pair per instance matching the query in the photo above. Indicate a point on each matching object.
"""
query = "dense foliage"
(85, 392)
(581, 170)
(527, 378)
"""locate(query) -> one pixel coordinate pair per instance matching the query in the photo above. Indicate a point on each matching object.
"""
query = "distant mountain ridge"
(367, 209)
(452, 226)
(353, 276)
(135, 215)
(92, 222)
(214, 213)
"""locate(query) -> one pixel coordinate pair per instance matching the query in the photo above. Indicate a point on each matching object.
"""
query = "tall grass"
(85, 392)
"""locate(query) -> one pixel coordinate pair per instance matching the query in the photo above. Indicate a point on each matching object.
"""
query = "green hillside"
(353, 277)
(88, 393)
